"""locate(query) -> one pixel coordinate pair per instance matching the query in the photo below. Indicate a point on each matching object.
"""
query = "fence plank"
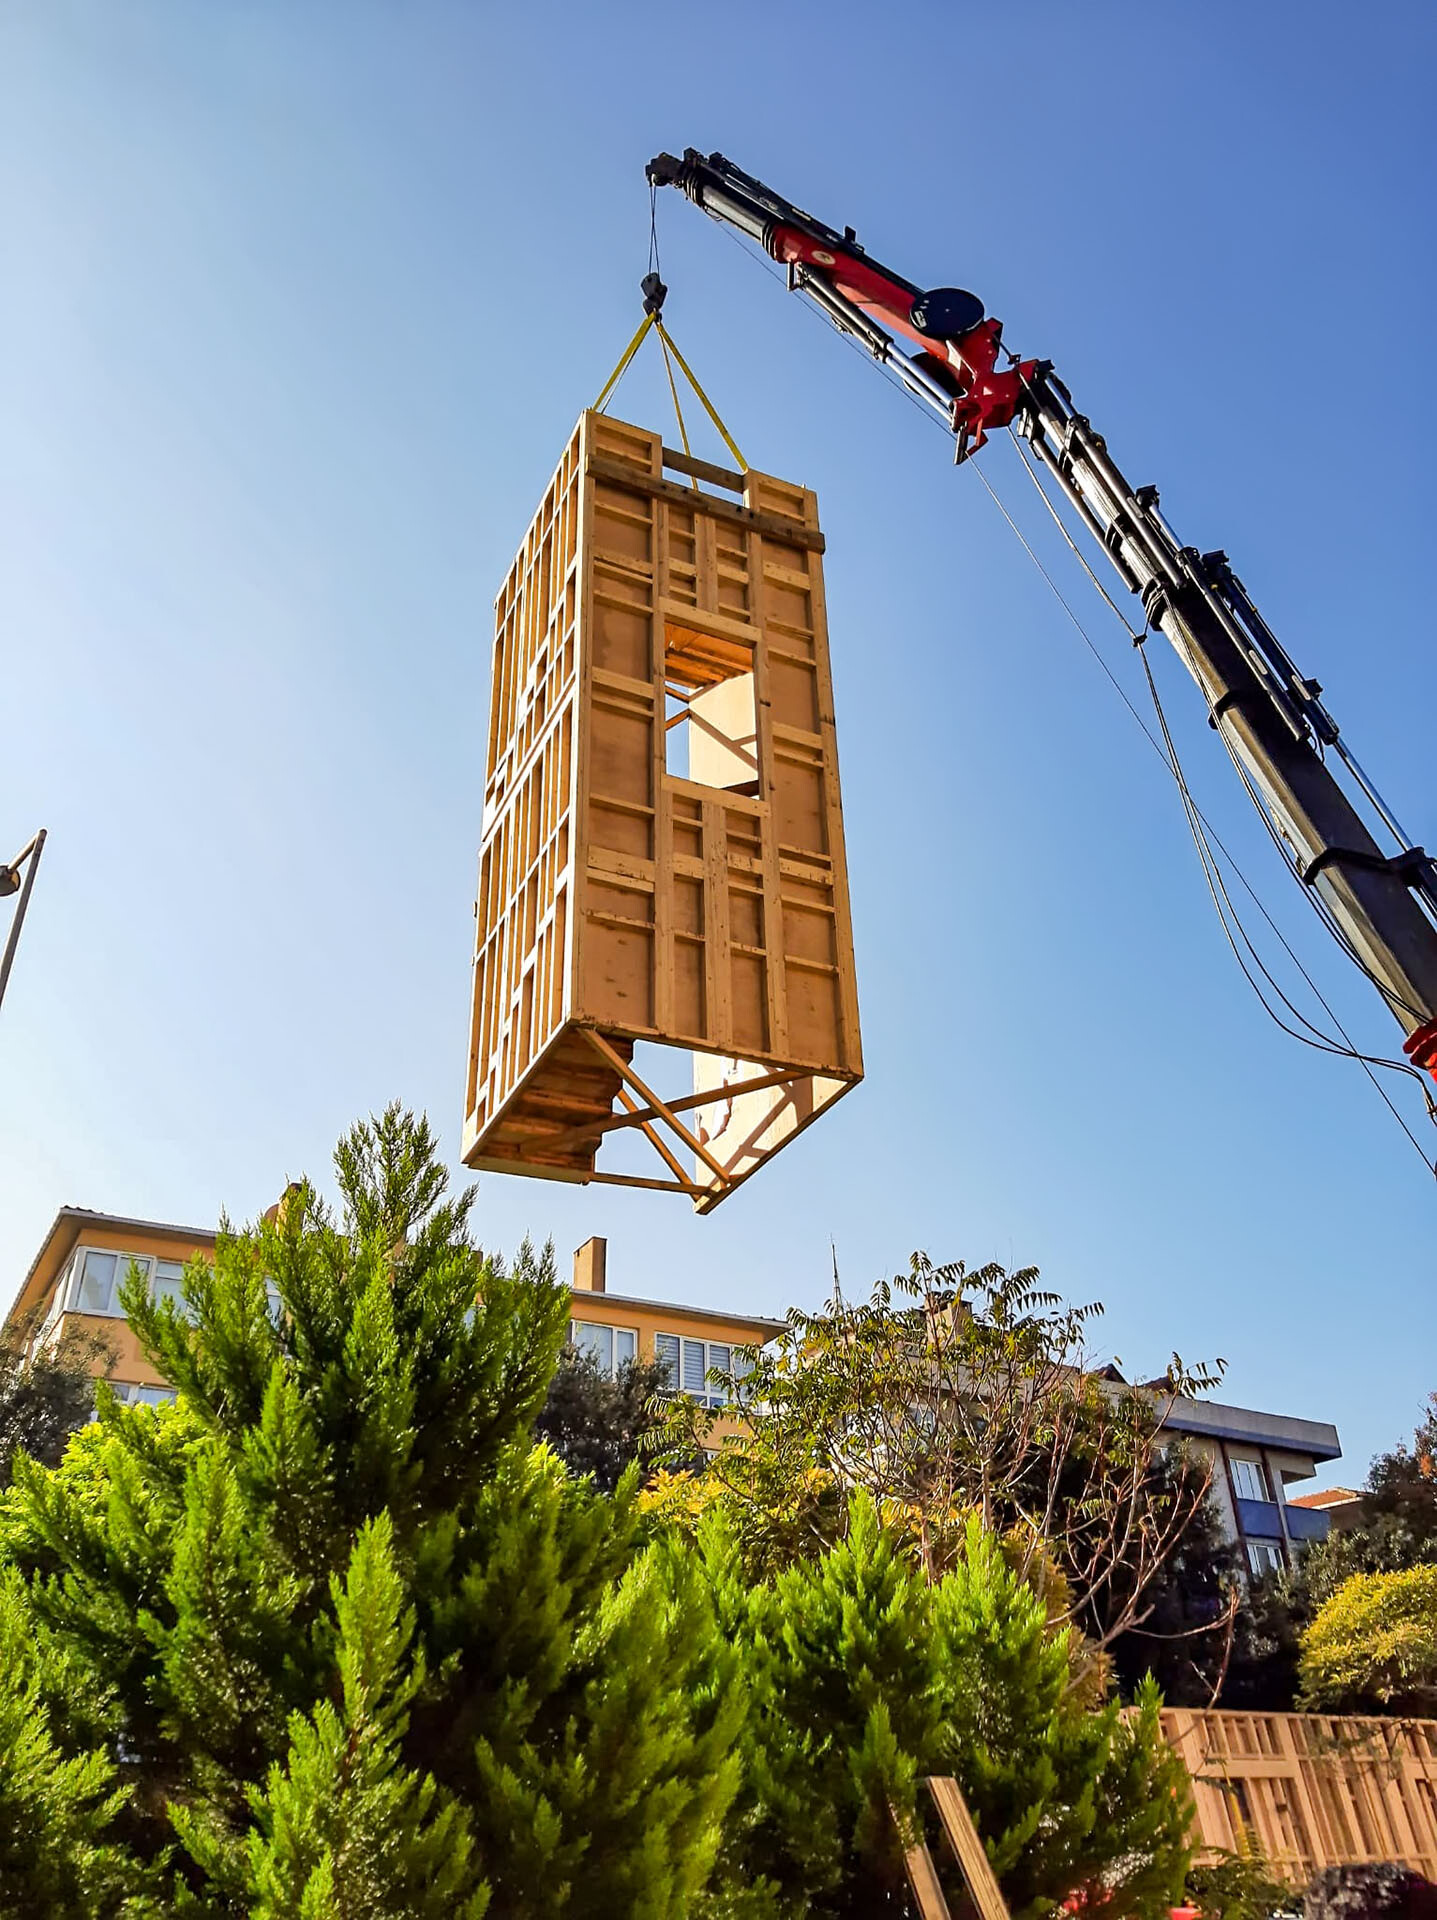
(962, 1836)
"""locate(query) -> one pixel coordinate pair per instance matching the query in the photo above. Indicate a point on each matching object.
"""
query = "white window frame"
(1264, 1557)
(120, 1269)
(685, 1377)
(69, 1289)
(1258, 1467)
(617, 1335)
(176, 1298)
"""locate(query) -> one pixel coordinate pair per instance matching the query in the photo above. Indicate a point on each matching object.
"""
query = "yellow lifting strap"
(629, 351)
(669, 346)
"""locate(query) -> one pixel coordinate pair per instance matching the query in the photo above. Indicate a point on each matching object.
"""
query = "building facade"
(1256, 1457)
(73, 1286)
(74, 1282)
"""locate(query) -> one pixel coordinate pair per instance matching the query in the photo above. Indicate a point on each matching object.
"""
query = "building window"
(1249, 1480)
(1263, 1558)
(92, 1280)
(168, 1283)
(612, 1348)
(132, 1395)
(688, 1362)
(101, 1277)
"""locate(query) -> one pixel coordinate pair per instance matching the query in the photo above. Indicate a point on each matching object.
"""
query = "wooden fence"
(1312, 1790)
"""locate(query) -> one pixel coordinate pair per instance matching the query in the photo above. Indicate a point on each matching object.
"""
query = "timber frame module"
(626, 898)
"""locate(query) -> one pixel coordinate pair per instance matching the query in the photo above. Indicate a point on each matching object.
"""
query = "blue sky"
(302, 301)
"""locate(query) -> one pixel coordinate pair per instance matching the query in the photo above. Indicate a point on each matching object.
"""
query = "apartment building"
(75, 1278)
(74, 1284)
(1256, 1457)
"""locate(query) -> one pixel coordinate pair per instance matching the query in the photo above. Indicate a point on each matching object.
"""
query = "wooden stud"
(653, 1138)
(665, 1112)
(923, 1879)
(683, 1104)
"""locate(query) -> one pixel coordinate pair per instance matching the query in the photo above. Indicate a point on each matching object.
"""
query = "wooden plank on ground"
(923, 1878)
(968, 1849)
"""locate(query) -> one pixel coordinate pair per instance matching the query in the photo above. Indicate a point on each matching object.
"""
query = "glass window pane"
(741, 1369)
(64, 1297)
(695, 1366)
(1249, 1480)
(720, 1357)
(625, 1346)
(597, 1340)
(666, 1352)
(139, 1260)
(97, 1283)
(154, 1396)
(169, 1275)
(1264, 1559)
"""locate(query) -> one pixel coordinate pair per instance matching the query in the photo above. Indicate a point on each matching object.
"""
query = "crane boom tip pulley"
(953, 347)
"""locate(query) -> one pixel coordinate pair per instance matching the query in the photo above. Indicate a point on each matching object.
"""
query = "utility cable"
(1288, 857)
(1221, 899)
(1204, 834)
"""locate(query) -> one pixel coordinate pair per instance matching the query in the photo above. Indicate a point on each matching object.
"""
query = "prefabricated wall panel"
(628, 894)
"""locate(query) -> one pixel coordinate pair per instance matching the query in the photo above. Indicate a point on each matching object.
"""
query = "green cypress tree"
(343, 1827)
(57, 1855)
(336, 1586)
(866, 1677)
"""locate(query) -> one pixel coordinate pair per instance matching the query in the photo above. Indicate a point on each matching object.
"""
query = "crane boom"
(1378, 890)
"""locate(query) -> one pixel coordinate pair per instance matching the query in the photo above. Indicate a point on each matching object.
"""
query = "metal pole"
(30, 860)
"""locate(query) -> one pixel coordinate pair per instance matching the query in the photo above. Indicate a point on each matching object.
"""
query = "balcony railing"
(1307, 1523)
(1259, 1519)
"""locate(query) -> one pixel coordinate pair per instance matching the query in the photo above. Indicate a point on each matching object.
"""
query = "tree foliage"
(1374, 1642)
(1241, 1886)
(1397, 1532)
(45, 1393)
(331, 1635)
(597, 1424)
(58, 1854)
(948, 1394)
(867, 1675)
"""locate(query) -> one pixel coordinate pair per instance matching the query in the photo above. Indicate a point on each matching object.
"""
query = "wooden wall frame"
(625, 899)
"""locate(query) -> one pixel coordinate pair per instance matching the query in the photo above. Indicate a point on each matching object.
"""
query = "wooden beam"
(621, 474)
(654, 1186)
(665, 1113)
(669, 1159)
(703, 470)
(571, 1136)
(968, 1849)
(923, 1878)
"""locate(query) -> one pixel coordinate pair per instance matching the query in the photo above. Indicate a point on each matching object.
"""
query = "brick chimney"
(590, 1262)
(280, 1210)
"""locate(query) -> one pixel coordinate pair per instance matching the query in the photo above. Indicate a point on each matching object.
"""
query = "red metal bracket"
(1421, 1047)
(983, 397)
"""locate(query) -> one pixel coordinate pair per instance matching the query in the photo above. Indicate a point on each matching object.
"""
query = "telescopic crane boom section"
(1379, 890)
